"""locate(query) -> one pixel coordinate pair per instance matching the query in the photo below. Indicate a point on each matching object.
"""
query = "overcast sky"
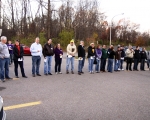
(137, 11)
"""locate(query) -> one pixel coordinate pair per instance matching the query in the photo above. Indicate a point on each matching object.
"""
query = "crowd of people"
(96, 55)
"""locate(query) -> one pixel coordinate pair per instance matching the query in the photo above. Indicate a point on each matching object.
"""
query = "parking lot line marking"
(22, 105)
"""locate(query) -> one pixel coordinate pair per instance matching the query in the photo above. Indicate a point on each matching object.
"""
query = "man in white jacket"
(129, 54)
(71, 51)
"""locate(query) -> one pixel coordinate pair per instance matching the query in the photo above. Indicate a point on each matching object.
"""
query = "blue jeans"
(11, 59)
(83, 62)
(110, 65)
(91, 61)
(121, 64)
(81, 65)
(36, 60)
(148, 63)
(68, 63)
(136, 62)
(47, 64)
(4, 68)
(117, 65)
(97, 66)
(89, 65)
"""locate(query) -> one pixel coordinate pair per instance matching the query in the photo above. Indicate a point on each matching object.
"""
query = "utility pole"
(111, 26)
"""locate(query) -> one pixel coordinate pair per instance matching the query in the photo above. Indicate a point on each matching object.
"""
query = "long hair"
(57, 45)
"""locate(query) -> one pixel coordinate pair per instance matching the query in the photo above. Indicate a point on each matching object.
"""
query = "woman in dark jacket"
(91, 57)
(18, 58)
(58, 59)
(111, 59)
(143, 58)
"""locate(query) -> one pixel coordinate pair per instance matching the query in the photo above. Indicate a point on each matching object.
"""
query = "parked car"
(2, 112)
(26, 50)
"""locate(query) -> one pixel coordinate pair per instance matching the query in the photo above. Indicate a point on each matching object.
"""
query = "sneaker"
(72, 72)
(122, 69)
(56, 73)
(2, 80)
(79, 73)
(33, 75)
(38, 75)
(50, 73)
(9, 78)
(60, 72)
(67, 72)
(46, 74)
(82, 72)
(90, 72)
(119, 69)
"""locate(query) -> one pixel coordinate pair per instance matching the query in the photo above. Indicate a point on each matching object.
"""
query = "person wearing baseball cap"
(71, 51)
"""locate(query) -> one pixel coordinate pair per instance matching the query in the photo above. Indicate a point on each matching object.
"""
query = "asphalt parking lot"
(100, 96)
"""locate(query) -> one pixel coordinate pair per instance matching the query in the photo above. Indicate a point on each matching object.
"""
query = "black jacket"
(122, 53)
(118, 55)
(143, 55)
(81, 51)
(137, 54)
(48, 50)
(111, 54)
(16, 53)
(90, 52)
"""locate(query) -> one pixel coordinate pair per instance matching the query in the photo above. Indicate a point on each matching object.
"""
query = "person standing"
(58, 59)
(48, 52)
(81, 56)
(148, 59)
(4, 60)
(36, 52)
(18, 59)
(98, 58)
(71, 51)
(103, 58)
(129, 54)
(143, 58)
(122, 57)
(91, 57)
(137, 57)
(10, 48)
(117, 59)
(111, 59)
(108, 52)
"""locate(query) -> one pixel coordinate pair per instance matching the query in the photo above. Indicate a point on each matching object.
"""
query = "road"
(100, 96)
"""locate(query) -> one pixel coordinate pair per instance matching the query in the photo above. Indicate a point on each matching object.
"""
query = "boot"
(67, 72)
